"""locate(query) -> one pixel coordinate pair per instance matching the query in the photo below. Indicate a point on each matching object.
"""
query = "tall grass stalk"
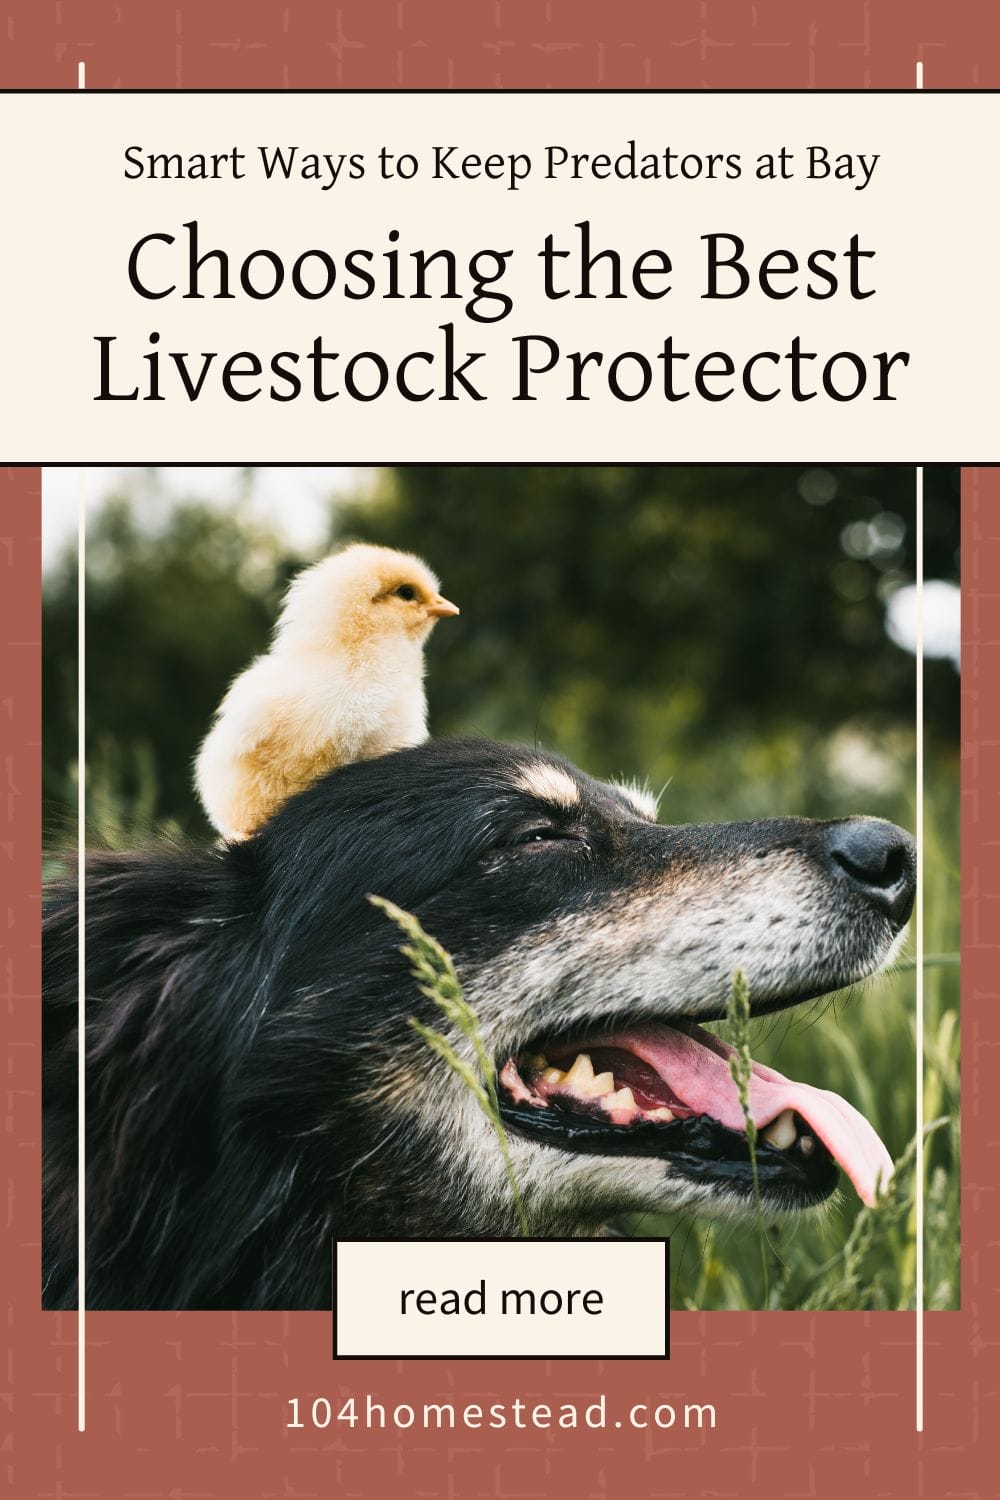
(840, 1283)
(741, 1068)
(432, 968)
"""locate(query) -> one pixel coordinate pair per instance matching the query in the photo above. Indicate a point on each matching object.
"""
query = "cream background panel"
(929, 211)
(371, 1276)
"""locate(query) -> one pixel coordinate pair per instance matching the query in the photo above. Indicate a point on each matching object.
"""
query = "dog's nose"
(879, 860)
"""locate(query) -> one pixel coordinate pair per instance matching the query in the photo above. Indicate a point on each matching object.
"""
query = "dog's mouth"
(667, 1091)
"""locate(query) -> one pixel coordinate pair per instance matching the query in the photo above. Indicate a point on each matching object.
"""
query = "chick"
(343, 681)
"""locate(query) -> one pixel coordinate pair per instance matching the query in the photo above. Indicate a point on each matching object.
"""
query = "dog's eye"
(407, 592)
(546, 835)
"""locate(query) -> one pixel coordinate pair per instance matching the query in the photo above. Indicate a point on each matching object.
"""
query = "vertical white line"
(919, 1168)
(81, 952)
(919, 1002)
(81, 933)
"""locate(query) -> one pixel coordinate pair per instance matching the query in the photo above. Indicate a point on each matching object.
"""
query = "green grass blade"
(741, 1066)
(433, 969)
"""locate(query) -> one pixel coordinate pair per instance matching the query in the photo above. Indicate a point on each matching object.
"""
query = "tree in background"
(172, 615)
(714, 626)
(722, 627)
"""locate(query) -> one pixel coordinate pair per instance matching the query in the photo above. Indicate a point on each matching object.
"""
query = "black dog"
(254, 1089)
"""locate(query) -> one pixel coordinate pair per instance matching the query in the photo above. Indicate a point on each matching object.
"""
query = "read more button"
(501, 1299)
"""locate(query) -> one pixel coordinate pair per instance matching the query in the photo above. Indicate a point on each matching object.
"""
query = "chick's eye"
(406, 591)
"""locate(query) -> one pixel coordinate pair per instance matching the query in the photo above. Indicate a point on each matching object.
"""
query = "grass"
(741, 1069)
(432, 968)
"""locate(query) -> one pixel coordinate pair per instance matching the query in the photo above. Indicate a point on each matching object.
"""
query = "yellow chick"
(343, 681)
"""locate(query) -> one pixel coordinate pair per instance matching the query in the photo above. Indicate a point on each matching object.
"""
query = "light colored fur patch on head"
(638, 793)
(549, 783)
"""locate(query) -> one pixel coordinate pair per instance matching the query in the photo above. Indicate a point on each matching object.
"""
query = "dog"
(255, 1089)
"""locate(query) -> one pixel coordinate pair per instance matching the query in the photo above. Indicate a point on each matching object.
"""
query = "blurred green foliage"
(172, 615)
(715, 628)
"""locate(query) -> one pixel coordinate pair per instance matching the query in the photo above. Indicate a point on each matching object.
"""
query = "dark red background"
(580, 44)
(193, 1406)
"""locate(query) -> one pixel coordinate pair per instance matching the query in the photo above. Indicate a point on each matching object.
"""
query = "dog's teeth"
(581, 1075)
(553, 1075)
(807, 1145)
(623, 1099)
(661, 1113)
(781, 1132)
(604, 1083)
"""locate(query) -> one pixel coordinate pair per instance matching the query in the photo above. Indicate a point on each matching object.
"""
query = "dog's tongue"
(695, 1064)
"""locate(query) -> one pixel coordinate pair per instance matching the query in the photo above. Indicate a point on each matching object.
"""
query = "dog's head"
(590, 942)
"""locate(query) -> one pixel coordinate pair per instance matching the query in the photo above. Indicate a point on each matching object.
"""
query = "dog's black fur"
(254, 1088)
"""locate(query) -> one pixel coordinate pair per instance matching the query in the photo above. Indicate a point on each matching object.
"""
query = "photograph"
(500, 851)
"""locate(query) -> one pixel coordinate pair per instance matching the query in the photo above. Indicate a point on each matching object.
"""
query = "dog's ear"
(401, 826)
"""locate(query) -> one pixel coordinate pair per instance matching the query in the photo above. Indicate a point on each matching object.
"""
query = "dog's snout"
(879, 860)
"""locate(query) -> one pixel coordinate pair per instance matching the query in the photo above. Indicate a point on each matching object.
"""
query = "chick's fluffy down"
(343, 681)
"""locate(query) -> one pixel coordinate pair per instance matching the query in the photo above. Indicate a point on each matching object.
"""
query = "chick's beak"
(439, 608)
